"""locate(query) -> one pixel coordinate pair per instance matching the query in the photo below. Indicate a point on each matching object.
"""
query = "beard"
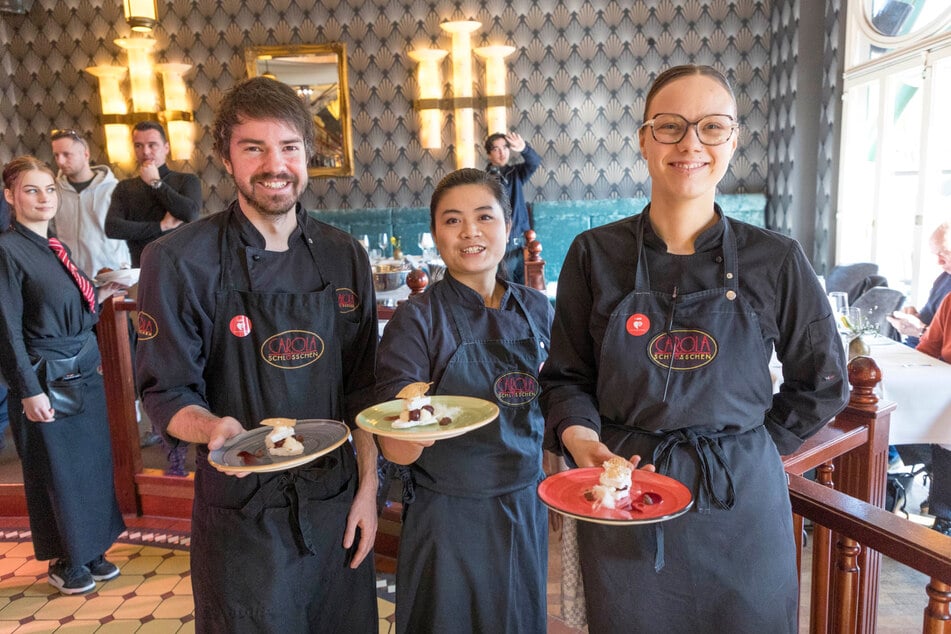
(276, 204)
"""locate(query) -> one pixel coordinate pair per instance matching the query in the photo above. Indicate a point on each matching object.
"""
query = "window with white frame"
(895, 170)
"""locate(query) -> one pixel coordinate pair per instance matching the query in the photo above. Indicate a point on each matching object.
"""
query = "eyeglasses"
(55, 135)
(713, 129)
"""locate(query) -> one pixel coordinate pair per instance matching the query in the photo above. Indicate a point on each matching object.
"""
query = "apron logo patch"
(516, 388)
(240, 326)
(146, 326)
(292, 349)
(347, 300)
(638, 324)
(682, 349)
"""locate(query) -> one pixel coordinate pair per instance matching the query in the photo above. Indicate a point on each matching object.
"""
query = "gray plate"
(320, 437)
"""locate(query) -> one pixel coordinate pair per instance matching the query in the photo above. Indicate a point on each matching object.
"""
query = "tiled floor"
(153, 593)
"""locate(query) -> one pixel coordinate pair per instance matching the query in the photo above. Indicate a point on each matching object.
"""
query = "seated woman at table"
(660, 348)
(474, 542)
(49, 357)
(936, 342)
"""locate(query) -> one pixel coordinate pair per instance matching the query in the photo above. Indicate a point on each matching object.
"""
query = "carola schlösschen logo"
(516, 388)
(682, 349)
(292, 349)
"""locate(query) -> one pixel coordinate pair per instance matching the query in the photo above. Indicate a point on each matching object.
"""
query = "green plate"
(468, 413)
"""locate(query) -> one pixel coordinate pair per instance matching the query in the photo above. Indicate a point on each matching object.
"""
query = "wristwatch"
(156, 183)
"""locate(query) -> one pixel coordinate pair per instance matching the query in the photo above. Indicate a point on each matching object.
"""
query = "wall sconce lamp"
(430, 103)
(141, 15)
(173, 111)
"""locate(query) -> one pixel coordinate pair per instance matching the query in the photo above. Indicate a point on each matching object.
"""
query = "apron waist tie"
(286, 485)
(710, 457)
(712, 462)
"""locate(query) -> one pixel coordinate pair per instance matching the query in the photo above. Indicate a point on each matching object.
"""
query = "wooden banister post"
(820, 620)
(534, 264)
(937, 613)
(861, 472)
(113, 335)
(846, 586)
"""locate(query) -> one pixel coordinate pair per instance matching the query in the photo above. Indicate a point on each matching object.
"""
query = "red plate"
(565, 493)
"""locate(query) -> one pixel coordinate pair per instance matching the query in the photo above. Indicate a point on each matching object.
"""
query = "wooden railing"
(850, 454)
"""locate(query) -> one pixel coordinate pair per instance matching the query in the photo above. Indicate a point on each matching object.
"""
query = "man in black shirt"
(157, 200)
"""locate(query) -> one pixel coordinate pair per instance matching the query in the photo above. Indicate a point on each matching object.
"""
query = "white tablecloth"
(921, 386)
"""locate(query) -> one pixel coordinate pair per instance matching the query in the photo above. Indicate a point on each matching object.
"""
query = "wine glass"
(365, 241)
(426, 245)
(383, 239)
(840, 309)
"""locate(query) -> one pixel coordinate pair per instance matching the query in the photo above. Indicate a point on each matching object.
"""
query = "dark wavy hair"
(469, 176)
(21, 164)
(142, 126)
(260, 98)
(686, 70)
(492, 138)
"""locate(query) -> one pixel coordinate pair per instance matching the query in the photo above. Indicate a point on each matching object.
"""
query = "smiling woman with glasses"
(664, 326)
(713, 129)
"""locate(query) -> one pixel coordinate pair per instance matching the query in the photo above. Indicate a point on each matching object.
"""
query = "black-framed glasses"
(713, 129)
(57, 134)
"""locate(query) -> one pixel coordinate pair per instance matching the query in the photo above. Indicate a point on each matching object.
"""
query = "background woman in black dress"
(49, 357)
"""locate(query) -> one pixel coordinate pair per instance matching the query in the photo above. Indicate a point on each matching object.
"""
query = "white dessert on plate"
(614, 484)
(281, 440)
(418, 408)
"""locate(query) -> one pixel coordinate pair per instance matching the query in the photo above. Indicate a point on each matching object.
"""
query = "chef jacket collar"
(469, 297)
(251, 237)
(710, 239)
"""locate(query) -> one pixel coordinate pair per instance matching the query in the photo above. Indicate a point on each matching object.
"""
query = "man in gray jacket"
(85, 194)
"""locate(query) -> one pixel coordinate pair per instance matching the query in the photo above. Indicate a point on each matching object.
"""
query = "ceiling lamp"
(142, 15)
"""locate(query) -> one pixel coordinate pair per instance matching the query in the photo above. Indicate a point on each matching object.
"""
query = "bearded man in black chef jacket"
(290, 550)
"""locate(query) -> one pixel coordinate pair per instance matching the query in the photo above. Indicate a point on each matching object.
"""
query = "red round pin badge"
(240, 326)
(638, 324)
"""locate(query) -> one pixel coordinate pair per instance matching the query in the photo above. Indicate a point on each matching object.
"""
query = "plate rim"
(424, 435)
(116, 273)
(606, 521)
(293, 461)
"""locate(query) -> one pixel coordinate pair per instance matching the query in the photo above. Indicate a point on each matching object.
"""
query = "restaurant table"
(918, 384)
(921, 387)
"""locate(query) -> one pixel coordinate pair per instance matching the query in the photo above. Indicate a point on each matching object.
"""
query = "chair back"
(876, 304)
(854, 279)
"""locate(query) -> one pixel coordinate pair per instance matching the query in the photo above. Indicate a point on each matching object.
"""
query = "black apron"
(474, 546)
(684, 383)
(67, 463)
(267, 552)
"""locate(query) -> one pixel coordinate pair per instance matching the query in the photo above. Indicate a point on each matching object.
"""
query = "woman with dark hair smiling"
(473, 548)
(663, 331)
(49, 357)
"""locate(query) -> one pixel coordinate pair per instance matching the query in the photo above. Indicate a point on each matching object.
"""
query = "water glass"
(840, 307)
(426, 245)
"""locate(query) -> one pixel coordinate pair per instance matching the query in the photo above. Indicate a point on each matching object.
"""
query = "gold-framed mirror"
(318, 72)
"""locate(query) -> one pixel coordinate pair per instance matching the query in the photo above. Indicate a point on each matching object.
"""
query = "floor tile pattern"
(153, 594)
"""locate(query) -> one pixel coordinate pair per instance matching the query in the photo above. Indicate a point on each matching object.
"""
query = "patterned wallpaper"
(578, 77)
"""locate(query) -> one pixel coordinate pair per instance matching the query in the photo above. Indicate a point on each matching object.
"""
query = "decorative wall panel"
(578, 78)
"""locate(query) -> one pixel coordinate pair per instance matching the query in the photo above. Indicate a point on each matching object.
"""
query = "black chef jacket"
(179, 293)
(772, 267)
